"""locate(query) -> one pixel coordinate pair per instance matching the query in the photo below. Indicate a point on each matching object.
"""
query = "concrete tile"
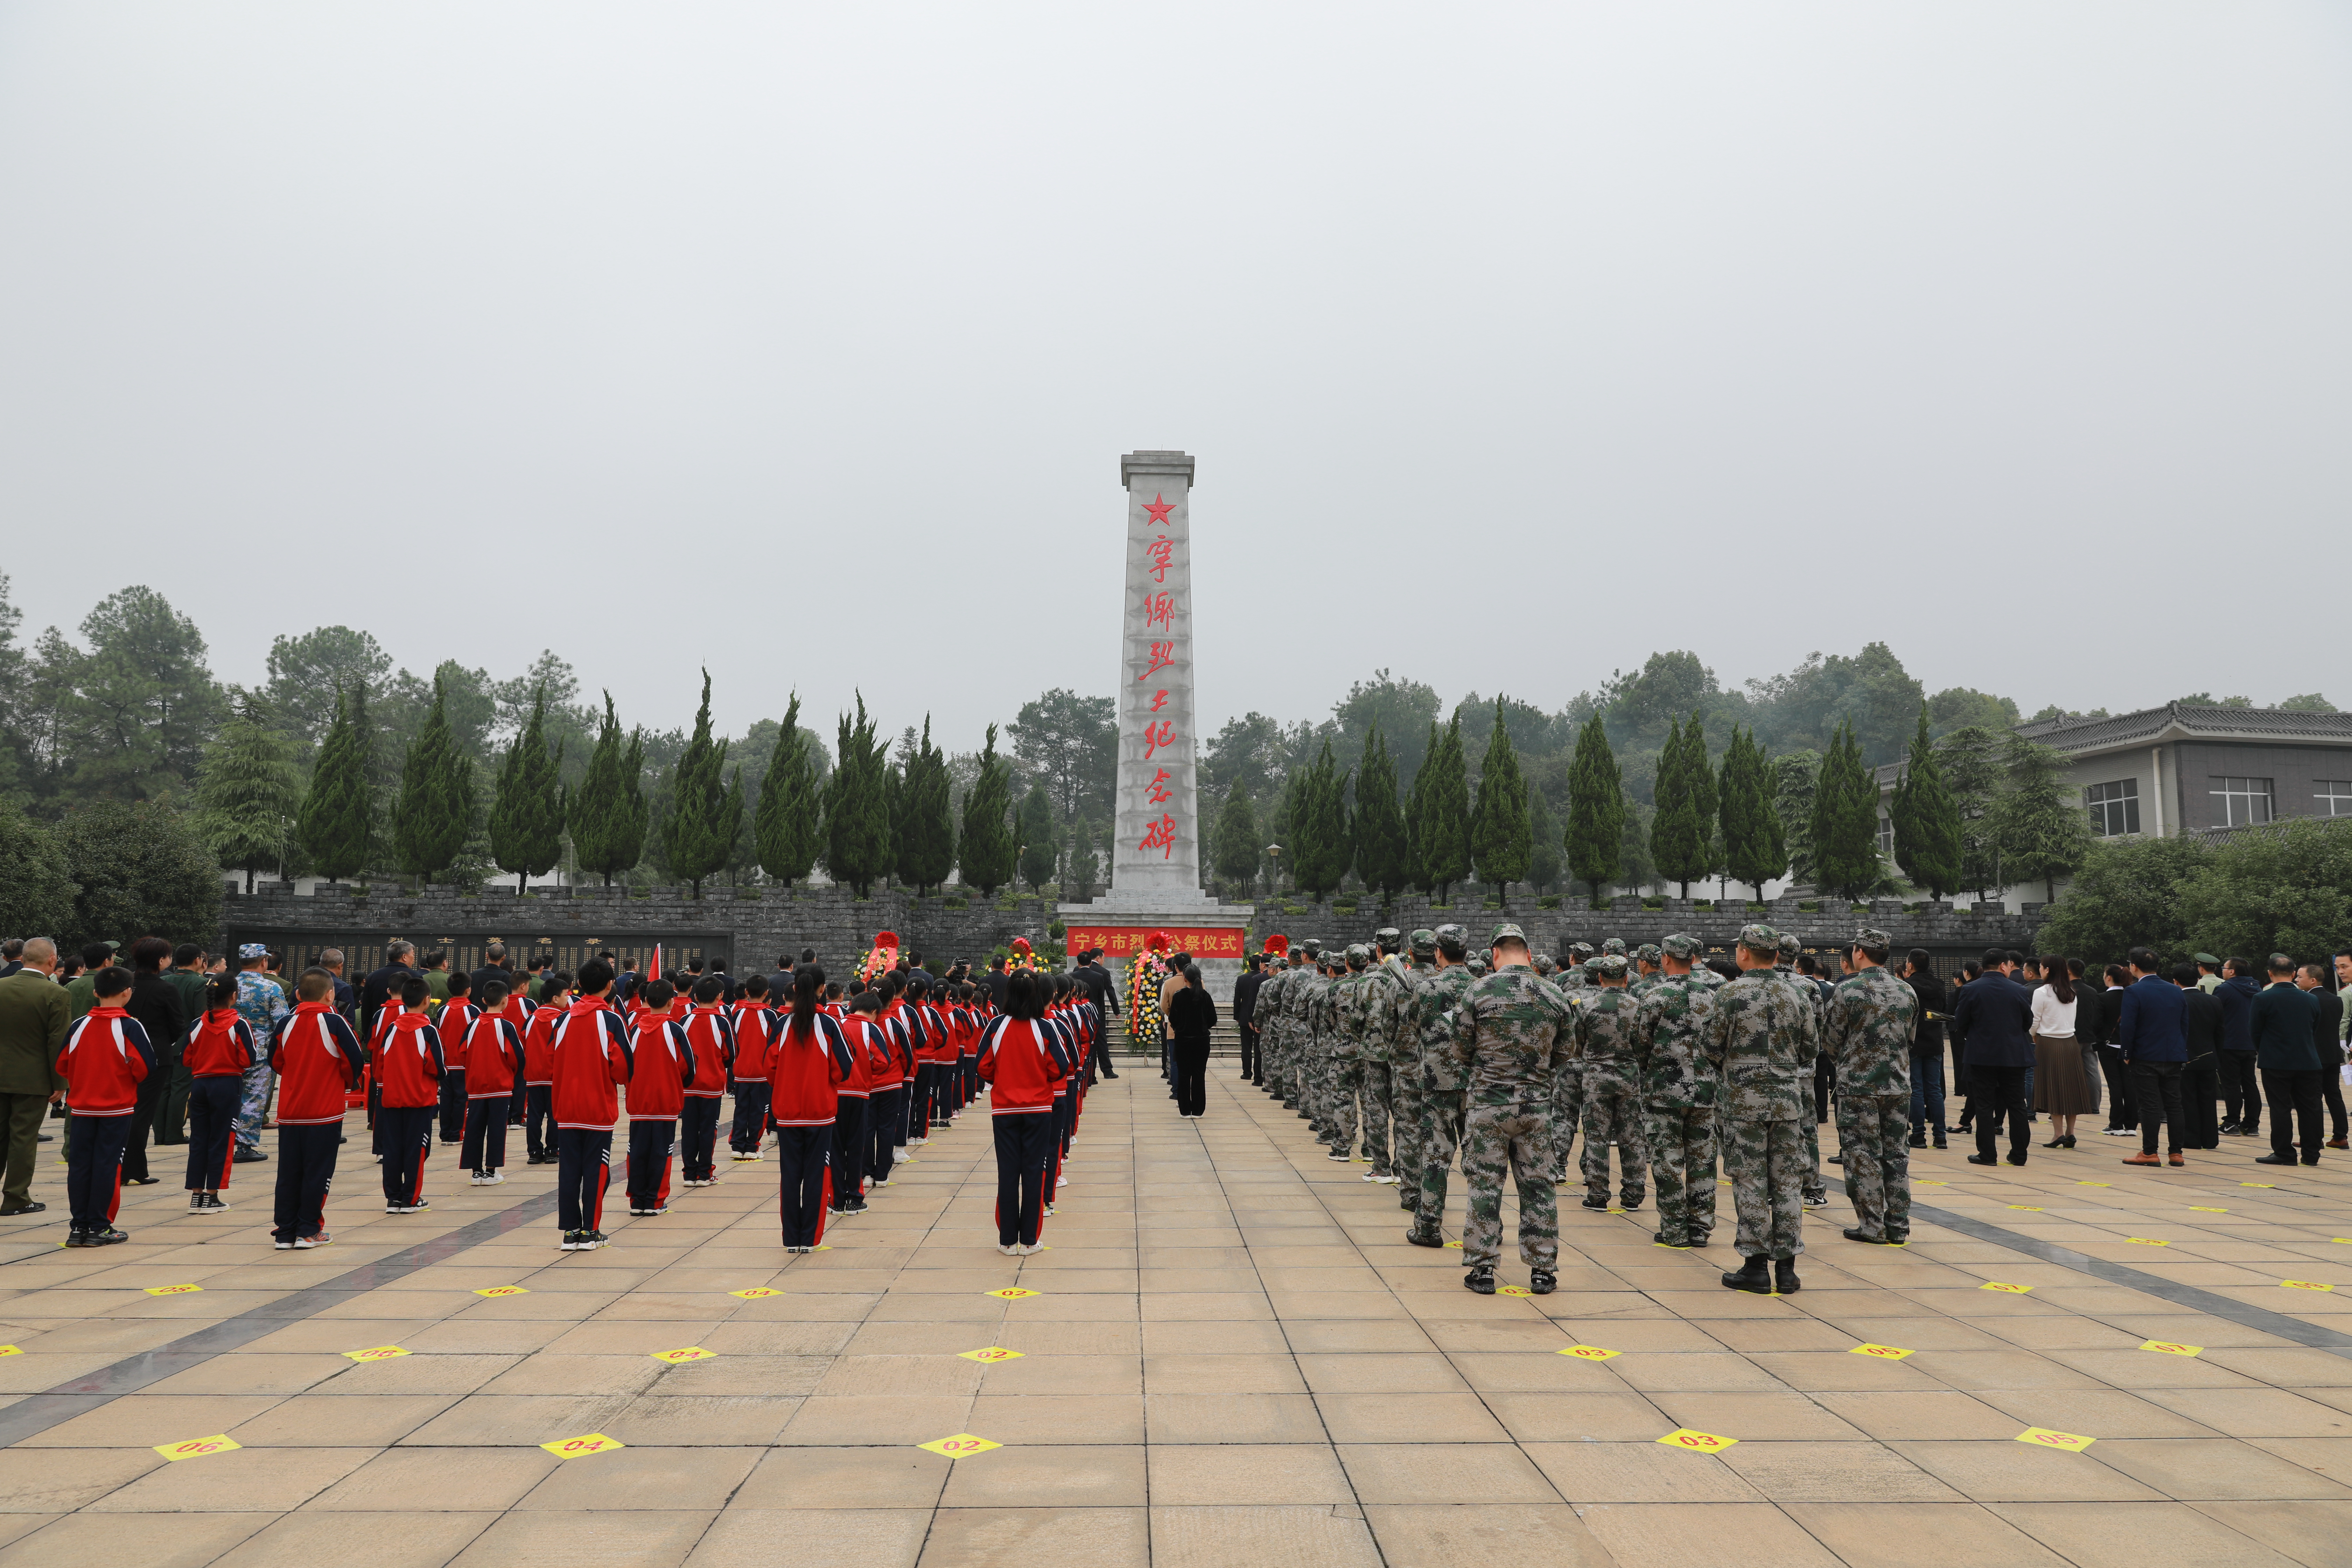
(1058, 1417)
(1892, 1416)
(1276, 1373)
(1888, 1535)
(1445, 1536)
(2119, 1535)
(835, 1538)
(1246, 1418)
(1369, 1373)
(2253, 1411)
(1672, 1533)
(1639, 1472)
(815, 1479)
(357, 1421)
(144, 1420)
(1241, 1474)
(405, 1540)
(499, 1419)
(1403, 1473)
(59, 1480)
(152, 1540)
(865, 1420)
(1038, 1538)
(643, 1539)
(1756, 1415)
(1294, 1537)
(645, 1478)
(1409, 1418)
(466, 1480)
(2105, 1413)
(2309, 1533)
(2216, 1470)
(1046, 1475)
(274, 1479)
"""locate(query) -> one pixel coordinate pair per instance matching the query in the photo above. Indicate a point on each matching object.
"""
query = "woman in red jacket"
(218, 1049)
(710, 1035)
(755, 1045)
(1022, 1062)
(812, 1062)
(852, 1153)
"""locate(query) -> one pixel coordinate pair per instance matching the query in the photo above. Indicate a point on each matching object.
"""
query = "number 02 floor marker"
(962, 1446)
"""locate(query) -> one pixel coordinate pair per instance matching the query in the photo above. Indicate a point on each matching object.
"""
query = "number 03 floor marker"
(1698, 1442)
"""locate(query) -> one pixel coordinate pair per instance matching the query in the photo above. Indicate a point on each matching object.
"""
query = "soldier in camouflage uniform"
(1604, 1052)
(1291, 1020)
(1817, 1188)
(1679, 1088)
(1869, 1022)
(1376, 1006)
(1646, 958)
(1272, 1058)
(1544, 967)
(1407, 1079)
(1510, 1029)
(1444, 1080)
(1615, 946)
(1762, 1030)
(1568, 1083)
(1351, 1105)
(1323, 1046)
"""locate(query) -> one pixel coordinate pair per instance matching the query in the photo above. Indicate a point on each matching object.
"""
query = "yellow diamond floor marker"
(2341, 1240)
(2258, 1184)
(2146, 1241)
(1922, 1181)
(197, 1447)
(2010, 1290)
(2095, 1183)
(681, 1357)
(2029, 1208)
(1512, 1290)
(2167, 1347)
(1884, 1352)
(381, 1353)
(1010, 1293)
(2043, 1437)
(992, 1353)
(756, 1293)
(961, 1446)
(580, 1447)
(2201, 1208)
(171, 1289)
(1454, 1244)
(11, 1350)
(2303, 1285)
(505, 1291)
(1700, 1442)
(1589, 1353)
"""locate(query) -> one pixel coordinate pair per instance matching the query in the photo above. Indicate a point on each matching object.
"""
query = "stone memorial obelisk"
(1155, 860)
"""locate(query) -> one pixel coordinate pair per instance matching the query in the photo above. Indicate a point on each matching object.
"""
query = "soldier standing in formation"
(1511, 1030)
(1445, 1078)
(1604, 1057)
(1762, 1032)
(1678, 1085)
(1870, 1020)
(1407, 1080)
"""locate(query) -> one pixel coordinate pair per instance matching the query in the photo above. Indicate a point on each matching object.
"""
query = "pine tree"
(1416, 805)
(1701, 774)
(435, 813)
(1500, 831)
(1596, 810)
(1969, 760)
(927, 833)
(1442, 831)
(1289, 822)
(1325, 849)
(858, 806)
(1845, 820)
(1238, 849)
(1039, 838)
(2045, 834)
(1752, 851)
(988, 845)
(247, 791)
(1679, 833)
(337, 824)
(1382, 848)
(609, 815)
(527, 815)
(785, 826)
(1790, 782)
(1926, 820)
(1547, 848)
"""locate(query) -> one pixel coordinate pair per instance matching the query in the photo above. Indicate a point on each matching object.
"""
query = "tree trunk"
(248, 881)
(522, 883)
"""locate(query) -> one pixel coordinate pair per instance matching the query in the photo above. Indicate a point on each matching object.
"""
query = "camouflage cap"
(1615, 945)
(1452, 936)
(1313, 945)
(1759, 938)
(1872, 938)
(1610, 966)
(1583, 950)
(1504, 933)
(1425, 942)
(1681, 946)
(1544, 966)
(1477, 966)
(1359, 954)
(1647, 953)
(1790, 945)
(1389, 937)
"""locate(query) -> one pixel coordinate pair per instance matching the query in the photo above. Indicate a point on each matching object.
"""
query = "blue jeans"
(1927, 1092)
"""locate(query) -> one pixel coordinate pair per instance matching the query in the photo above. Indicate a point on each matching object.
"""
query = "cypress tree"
(1237, 848)
(1323, 851)
(246, 794)
(858, 806)
(927, 833)
(527, 815)
(1039, 838)
(1416, 805)
(1701, 777)
(1290, 828)
(609, 815)
(1547, 844)
(1384, 852)
(1678, 831)
(1927, 819)
(1441, 832)
(1751, 851)
(988, 849)
(435, 813)
(1596, 810)
(1500, 831)
(709, 815)
(337, 824)
(786, 822)
(2044, 832)
(1845, 820)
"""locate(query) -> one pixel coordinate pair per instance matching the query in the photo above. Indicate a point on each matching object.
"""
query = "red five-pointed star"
(1158, 510)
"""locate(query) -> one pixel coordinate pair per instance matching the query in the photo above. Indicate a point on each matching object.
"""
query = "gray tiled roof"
(2220, 724)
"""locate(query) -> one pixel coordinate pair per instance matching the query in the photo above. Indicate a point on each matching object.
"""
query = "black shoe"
(1421, 1236)
(1754, 1276)
(1542, 1282)
(2311, 1159)
(1480, 1280)
(1836, 1160)
(2017, 1157)
(1596, 1202)
(47, 1138)
(2274, 1159)
(1700, 1239)
(1659, 1237)
(1982, 1160)
(1784, 1278)
(143, 1181)
(1630, 1204)
(248, 1156)
(1941, 1144)
(1855, 1233)
(1920, 1141)
(2230, 1127)
(23, 1208)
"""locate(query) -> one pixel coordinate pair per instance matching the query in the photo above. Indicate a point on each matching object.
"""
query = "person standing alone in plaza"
(2150, 1031)
(1191, 1015)
(2282, 1024)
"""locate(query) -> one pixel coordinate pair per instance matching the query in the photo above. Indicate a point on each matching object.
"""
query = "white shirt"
(2051, 1017)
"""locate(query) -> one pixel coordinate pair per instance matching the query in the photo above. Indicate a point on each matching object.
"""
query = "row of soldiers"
(1422, 1050)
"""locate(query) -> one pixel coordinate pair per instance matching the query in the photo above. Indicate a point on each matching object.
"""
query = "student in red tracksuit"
(455, 1023)
(588, 1056)
(105, 1058)
(661, 1064)
(493, 1050)
(316, 1058)
(538, 1068)
(379, 1032)
(942, 1053)
(408, 1066)
(811, 1062)
(922, 1069)
(852, 1144)
(217, 1050)
(520, 1010)
(755, 1049)
(886, 1110)
(1020, 1061)
(1058, 1020)
(710, 1035)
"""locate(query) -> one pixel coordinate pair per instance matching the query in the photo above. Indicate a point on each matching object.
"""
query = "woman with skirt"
(1191, 1014)
(2059, 1087)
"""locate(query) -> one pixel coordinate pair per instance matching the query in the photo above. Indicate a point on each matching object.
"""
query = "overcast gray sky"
(1514, 342)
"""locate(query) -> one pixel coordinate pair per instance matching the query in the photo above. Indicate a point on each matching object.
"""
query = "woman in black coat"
(1191, 1014)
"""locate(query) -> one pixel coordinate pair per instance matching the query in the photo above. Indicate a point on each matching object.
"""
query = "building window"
(2115, 808)
(2241, 802)
(2335, 796)
(1886, 833)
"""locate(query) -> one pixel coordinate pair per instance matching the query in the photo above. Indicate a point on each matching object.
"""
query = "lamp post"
(1276, 851)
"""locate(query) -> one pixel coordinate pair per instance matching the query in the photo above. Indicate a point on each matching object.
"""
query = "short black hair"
(655, 994)
(755, 986)
(494, 991)
(460, 982)
(414, 991)
(2142, 958)
(2184, 974)
(1994, 957)
(2280, 963)
(594, 977)
(808, 955)
(186, 953)
(709, 990)
(112, 980)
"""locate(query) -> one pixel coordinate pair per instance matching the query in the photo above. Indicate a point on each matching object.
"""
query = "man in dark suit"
(2152, 1032)
(1995, 1017)
(780, 984)
(496, 966)
(1244, 1010)
(2200, 1079)
(1091, 973)
(399, 963)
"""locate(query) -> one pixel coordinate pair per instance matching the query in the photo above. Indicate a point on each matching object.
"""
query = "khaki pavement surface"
(1229, 1357)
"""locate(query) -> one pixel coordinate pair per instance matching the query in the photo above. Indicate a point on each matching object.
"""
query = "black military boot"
(1855, 1233)
(1598, 1203)
(1409, 1200)
(1755, 1276)
(1784, 1278)
(1480, 1280)
(1542, 1282)
(1421, 1235)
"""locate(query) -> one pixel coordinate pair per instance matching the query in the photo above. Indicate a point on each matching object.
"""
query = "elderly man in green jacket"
(34, 1014)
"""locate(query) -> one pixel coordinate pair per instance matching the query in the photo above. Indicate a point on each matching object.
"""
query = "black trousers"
(1249, 1052)
(1824, 1084)
(917, 1090)
(142, 1124)
(697, 1152)
(2241, 1094)
(172, 1111)
(1025, 1150)
(453, 1105)
(485, 1147)
(2201, 1087)
(94, 1146)
(2113, 1068)
(212, 1131)
(2331, 1092)
(1192, 1076)
(539, 1120)
(750, 1128)
(2294, 1099)
(519, 1107)
(887, 1110)
(1995, 1093)
(305, 1168)
(651, 1144)
(2155, 1096)
(405, 1133)
(584, 1165)
(943, 1074)
(805, 1155)
(853, 1152)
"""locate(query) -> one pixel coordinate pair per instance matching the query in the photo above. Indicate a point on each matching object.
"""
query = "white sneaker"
(1032, 1248)
(1370, 1178)
(495, 1179)
(1061, 1181)
(1010, 1249)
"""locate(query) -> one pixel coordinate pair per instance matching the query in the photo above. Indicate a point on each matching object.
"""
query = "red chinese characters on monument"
(1162, 554)
(1156, 790)
(1126, 941)
(1162, 838)
(1160, 610)
(1158, 737)
(1163, 657)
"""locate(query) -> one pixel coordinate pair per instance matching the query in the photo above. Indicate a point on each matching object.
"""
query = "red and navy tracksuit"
(710, 1038)
(852, 1143)
(105, 1058)
(493, 1050)
(886, 1111)
(1021, 1061)
(806, 1073)
(408, 1068)
(661, 1064)
(588, 1058)
(755, 1038)
(539, 1078)
(316, 1057)
(218, 1049)
(455, 1025)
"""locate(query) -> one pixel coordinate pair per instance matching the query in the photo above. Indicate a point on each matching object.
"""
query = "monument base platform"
(1215, 933)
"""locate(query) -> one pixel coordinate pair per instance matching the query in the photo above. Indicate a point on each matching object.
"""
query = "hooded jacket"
(409, 1063)
(661, 1064)
(1023, 1064)
(315, 1056)
(219, 1044)
(588, 1055)
(806, 1072)
(493, 1056)
(105, 1058)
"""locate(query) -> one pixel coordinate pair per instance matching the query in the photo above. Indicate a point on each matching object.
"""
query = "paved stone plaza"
(1231, 1357)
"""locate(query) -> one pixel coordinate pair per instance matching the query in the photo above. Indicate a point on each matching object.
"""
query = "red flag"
(653, 969)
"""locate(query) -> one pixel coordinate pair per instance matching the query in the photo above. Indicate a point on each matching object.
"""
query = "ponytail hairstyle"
(1021, 995)
(220, 991)
(808, 985)
(2061, 980)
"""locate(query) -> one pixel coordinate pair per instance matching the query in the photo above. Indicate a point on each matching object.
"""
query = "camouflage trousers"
(1513, 1138)
(1406, 1113)
(1375, 1088)
(253, 1105)
(1875, 1136)
(1612, 1113)
(1815, 1187)
(1681, 1142)
(1766, 1163)
(1566, 1114)
(1441, 1135)
(1343, 1076)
